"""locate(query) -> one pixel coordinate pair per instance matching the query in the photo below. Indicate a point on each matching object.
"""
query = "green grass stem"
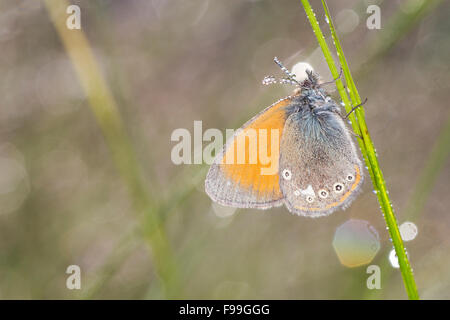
(365, 142)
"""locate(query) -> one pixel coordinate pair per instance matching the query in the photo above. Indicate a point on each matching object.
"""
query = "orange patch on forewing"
(343, 198)
(246, 173)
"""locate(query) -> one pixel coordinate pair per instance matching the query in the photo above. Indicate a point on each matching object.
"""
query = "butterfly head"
(310, 84)
(311, 81)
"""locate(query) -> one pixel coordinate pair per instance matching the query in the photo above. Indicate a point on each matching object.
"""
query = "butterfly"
(315, 169)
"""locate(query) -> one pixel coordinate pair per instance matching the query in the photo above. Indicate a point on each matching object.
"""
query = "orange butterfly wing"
(245, 173)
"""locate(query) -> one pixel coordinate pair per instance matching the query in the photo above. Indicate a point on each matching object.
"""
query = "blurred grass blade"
(435, 163)
(422, 190)
(367, 148)
(108, 118)
(399, 24)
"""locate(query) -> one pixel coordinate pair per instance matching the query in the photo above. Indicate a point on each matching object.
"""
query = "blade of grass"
(399, 26)
(422, 190)
(108, 118)
(367, 148)
(379, 182)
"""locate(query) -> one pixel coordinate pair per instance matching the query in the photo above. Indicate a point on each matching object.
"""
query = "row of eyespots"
(337, 187)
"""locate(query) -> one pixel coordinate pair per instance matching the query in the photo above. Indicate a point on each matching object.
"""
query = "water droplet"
(408, 231)
(393, 259)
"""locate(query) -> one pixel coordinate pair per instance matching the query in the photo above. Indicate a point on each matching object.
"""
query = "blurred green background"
(141, 227)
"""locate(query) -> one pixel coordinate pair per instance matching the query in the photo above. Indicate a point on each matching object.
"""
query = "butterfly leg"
(354, 108)
(334, 80)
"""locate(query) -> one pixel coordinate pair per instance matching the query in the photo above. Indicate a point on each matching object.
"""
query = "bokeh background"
(76, 189)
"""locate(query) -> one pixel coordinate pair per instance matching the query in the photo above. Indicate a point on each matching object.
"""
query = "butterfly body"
(317, 166)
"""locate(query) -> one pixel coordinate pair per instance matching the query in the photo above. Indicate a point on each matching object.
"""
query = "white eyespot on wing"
(309, 199)
(323, 193)
(350, 177)
(338, 187)
(287, 175)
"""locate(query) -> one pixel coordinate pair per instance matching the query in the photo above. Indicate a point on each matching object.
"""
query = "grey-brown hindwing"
(319, 167)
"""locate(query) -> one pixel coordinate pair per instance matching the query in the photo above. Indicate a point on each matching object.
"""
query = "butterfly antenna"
(290, 76)
(268, 80)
